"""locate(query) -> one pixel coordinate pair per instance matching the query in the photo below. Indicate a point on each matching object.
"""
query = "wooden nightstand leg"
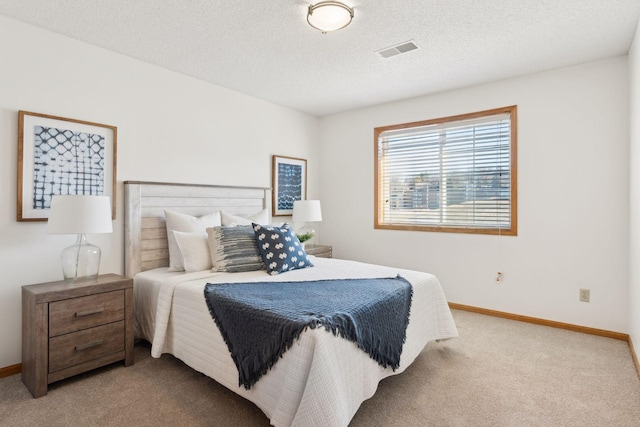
(128, 327)
(35, 341)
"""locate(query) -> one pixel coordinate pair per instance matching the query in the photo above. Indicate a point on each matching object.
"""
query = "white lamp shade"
(329, 16)
(80, 215)
(307, 211)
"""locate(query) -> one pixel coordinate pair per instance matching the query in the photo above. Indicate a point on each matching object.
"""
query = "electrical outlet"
(585, 295)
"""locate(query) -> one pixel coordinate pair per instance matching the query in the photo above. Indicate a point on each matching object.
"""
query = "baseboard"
(10, 370)
(543, 322)
(635, 356)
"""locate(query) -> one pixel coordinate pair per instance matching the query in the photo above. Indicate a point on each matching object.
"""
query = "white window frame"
(409, 217)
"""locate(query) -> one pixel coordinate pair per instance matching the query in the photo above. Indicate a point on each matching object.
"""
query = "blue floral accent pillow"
(280, 249)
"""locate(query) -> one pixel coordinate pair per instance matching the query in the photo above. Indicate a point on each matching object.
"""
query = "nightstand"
(322, 251)
(70, 327)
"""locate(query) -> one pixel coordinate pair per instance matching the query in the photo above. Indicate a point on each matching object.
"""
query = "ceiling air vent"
(397, 49)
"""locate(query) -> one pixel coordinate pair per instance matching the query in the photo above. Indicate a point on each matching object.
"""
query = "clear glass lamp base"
(81, 260)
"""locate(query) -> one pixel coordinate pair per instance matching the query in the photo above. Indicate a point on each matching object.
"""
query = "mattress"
(322, 379)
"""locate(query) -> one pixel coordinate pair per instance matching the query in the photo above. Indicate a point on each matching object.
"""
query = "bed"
(322, 379)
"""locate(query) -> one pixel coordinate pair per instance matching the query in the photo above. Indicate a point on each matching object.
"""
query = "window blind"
(453, 174)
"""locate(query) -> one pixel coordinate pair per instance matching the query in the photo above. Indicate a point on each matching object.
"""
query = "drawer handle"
(89, 312)
(88, 345)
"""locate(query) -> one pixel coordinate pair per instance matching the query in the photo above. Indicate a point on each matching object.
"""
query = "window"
(454, 174)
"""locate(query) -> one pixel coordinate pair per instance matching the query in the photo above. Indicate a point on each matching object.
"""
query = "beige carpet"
(497, 373)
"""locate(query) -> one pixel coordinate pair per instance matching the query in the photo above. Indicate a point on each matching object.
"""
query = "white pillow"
(261, 217)
(194, 248)
(177, 221)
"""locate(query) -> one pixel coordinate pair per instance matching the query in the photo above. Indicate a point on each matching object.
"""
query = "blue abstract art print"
(66, 162)
(289, 179)
(61, 156)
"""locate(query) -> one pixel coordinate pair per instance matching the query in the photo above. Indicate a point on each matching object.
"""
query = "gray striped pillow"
(234, 249)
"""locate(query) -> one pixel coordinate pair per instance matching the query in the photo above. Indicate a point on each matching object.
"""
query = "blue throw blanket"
(260, 321)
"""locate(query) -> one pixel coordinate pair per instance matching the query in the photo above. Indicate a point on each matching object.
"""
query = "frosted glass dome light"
(329, 15)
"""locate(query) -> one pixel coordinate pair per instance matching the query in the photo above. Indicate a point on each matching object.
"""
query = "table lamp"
(80, 215)
(306, 211)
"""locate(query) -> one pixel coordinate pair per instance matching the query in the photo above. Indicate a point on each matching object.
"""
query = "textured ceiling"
(266, 49)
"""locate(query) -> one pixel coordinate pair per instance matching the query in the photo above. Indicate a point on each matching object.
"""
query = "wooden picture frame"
(289, 183)
(58, 155)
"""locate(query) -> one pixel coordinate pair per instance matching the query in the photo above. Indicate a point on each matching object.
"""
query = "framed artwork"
(289, 182)
(57, 155)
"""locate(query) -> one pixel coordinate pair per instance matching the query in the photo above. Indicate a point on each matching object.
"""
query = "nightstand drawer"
(80, 313)
(78, 347)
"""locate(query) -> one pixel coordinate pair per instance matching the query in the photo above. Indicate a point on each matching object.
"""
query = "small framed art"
(289, 182)
(56, 156)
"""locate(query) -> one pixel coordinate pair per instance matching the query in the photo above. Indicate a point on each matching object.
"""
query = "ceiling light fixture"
(329, 15)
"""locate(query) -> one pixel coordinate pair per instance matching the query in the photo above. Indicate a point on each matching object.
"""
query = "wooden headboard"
(145, 233)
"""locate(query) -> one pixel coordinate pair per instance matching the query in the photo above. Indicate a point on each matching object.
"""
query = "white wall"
(634, 229)
(170, 128)
(573, 184)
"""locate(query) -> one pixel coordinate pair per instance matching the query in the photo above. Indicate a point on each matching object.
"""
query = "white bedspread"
(322, 379)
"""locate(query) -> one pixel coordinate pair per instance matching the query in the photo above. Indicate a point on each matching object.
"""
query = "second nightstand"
(70, 327)
(322, 251)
